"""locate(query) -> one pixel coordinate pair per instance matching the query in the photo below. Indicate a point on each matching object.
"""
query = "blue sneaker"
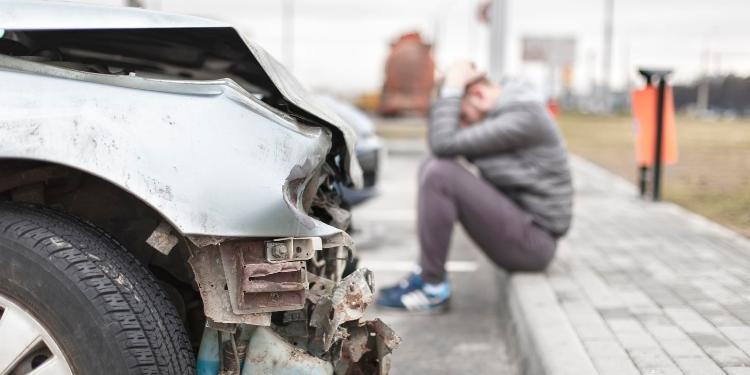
(409, 283)
(413, 294)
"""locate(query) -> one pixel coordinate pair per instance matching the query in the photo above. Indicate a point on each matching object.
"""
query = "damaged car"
(370, 149)
(169, 204)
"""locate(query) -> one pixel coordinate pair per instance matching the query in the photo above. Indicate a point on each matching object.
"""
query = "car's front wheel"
(73, 301)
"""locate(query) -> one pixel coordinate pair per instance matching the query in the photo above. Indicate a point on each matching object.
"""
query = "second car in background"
(370, 150)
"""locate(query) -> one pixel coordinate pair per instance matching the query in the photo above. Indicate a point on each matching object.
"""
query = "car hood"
(63, 15)
(25, 15)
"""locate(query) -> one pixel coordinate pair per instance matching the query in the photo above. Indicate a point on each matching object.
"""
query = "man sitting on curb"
(515, 210)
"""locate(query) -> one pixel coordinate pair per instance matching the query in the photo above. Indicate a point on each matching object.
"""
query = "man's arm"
(503, 133)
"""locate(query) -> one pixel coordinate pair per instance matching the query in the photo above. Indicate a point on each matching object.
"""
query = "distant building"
(720, 95)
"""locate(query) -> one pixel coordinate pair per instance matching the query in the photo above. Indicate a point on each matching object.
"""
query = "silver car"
(169, 203)
(370, 149)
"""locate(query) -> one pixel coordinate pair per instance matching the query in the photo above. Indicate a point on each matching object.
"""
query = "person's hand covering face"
(459, 74)
(475, 104)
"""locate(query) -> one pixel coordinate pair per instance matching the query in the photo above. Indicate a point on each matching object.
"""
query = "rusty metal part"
(291, 249)
(162, 238)
(390, 339)
(340, 251)
(338, 239)
(356, 345)
(316, 321)
(318, 287)
(257, 286)
(352, 296)
(223, 327)
(368, 349)
(338, 257)
(209, 275)
(293, 327)
(347, 302)
(203, 241)
(387, 341)
(233, 354)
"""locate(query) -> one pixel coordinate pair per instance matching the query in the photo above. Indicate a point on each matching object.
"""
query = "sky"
(341, 46)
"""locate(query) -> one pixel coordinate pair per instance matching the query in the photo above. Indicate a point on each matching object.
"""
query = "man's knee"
(537, 261)
(436, 171)
(540, 264)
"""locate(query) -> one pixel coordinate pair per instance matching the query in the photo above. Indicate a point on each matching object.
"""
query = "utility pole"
(626, 66)
(145, 4)
(287, 33)
(702, 99)
(473, 35)
(607, 54)
(498, 31)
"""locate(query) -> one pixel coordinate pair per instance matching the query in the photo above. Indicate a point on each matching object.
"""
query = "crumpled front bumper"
(277, 284)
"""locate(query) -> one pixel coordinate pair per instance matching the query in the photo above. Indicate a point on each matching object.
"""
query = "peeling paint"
(162, 238)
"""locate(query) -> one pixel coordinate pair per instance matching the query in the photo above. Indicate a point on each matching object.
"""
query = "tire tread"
(144, 321)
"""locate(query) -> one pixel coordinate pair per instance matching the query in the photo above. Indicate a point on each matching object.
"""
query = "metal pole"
(642, 178)
(702, 99)
(643, 169)
(498, 30)
(659, 135)
(288, 33)
(607, 54)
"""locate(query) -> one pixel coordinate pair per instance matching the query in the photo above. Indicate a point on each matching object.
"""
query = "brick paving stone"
(649, 287)
(653, 361)
(609, 357)
(586, 321)
(698, 366)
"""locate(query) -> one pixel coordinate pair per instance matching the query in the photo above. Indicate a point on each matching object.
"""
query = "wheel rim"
(26, 346)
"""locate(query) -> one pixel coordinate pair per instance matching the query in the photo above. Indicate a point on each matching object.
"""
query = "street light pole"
(287, 41)
(498, 31)
(607, 54)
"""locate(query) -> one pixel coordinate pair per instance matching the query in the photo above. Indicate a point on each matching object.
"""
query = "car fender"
(209, 157)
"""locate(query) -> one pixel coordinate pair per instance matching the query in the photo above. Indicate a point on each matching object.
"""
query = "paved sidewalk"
(638, 288)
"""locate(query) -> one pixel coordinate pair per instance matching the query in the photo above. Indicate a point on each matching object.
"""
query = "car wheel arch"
(119, 212)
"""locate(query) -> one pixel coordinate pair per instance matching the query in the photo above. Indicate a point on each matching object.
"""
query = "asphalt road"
(469, 338)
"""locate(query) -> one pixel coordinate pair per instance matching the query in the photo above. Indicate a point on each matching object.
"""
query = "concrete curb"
(539, 333)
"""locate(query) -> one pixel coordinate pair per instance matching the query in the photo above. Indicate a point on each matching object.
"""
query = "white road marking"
(406, 265)
(385, 215)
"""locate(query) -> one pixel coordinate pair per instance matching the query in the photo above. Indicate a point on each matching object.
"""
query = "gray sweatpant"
(449, 192)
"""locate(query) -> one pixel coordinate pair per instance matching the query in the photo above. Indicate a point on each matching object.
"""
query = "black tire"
(104, 309)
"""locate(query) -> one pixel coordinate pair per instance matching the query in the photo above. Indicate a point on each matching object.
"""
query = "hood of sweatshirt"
(517, 90)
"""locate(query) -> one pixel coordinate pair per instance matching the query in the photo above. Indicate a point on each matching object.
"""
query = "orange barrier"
(644, 114)
(553, 106)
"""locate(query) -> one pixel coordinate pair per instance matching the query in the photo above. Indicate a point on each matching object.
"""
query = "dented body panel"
(180, 131)
(206, 155)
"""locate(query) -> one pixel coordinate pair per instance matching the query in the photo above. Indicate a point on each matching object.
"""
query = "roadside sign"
(556, 51)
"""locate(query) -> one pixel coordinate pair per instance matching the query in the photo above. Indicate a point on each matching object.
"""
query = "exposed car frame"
(370, 149)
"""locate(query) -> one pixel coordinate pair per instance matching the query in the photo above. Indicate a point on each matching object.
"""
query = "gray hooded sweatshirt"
(517, 147)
